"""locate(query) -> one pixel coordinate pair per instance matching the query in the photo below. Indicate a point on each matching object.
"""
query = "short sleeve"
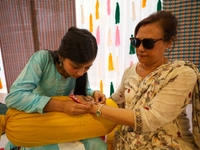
(120, 95)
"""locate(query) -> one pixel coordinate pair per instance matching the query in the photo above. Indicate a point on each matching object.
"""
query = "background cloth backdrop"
(112, 22)
(188, 42)
(27, 26)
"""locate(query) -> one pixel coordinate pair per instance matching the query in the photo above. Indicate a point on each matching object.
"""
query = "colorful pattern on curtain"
(29, 26)
(188, 44)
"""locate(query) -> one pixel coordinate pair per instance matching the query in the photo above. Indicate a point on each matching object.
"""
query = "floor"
(4, 139)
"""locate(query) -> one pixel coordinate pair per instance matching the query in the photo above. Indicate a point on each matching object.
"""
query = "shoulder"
(130, 72)
(42, 53)
(42, 56)
(131, 69)
(184, 68)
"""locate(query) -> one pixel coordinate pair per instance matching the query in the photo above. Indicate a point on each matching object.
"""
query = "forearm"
(26, 101)
(54, 105)
(118, 115)
(67, 106)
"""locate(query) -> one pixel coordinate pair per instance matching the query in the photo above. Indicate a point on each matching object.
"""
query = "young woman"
(57, 73)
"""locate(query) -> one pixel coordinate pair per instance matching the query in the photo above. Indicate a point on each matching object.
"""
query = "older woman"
(156, 92)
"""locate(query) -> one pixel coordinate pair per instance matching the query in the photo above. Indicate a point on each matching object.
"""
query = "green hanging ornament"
(111, 88)
(159, 6)
(117, 13)
(132, 49)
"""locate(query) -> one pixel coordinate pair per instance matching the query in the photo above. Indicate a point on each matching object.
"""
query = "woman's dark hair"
(80, 46)
(167, 21)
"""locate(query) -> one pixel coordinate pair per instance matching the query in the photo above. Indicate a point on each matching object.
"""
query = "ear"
(60, 58)
(169, 43)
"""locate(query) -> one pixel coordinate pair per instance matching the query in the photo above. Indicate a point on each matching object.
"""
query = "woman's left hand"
(99, 97)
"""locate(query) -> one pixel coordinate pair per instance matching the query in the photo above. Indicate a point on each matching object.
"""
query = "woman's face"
(155, 55)
(75, 70)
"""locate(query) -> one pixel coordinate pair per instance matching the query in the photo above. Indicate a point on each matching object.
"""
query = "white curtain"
(131, 12)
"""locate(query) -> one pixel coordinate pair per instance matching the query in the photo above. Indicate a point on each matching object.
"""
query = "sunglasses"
(147, 43)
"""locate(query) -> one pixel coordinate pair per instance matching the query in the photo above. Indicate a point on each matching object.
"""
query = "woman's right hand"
(73, 108)
(67, 106)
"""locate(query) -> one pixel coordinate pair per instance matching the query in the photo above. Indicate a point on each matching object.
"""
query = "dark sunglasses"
(147, 43)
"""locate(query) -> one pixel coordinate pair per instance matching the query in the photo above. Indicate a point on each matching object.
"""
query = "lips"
(139, 55)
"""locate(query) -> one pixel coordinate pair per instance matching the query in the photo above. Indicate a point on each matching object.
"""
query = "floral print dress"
(158, 102)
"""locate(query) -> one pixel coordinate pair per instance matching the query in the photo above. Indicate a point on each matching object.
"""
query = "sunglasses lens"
(148, 43)
(135, 42)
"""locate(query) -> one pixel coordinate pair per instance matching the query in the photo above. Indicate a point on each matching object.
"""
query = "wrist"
(97, 109)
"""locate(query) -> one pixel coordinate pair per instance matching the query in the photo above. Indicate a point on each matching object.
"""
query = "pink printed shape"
(117, 39)
(108, 7)
(98, 35)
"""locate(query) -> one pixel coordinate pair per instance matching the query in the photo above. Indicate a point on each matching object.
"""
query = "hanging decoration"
(131, 63)
(159, 6)
(82, 15)
(117, 14)
(101, 86)
(108, 7)
(110, 63)
(133, 12)
(91, 23)
(132, 49)
(98, 36)
(97, 9)
(117, 37)
(116, 64)
(111, 88)
(109, 42)
(1, 86)
(144, 3)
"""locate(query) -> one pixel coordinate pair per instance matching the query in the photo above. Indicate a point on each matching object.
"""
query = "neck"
(144, 69)
(62, 71)
(154, 66)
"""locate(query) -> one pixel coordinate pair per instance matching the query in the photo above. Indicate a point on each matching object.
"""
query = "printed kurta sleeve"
(119, 95)
(21, 94)
(169, 102)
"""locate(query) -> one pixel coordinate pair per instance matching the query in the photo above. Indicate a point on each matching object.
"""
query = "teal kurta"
(34, 87)
(37, 83)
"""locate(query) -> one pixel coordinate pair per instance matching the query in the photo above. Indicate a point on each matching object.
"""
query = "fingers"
(73, 108)
(103, 100)
(99, 97)
(80, 109)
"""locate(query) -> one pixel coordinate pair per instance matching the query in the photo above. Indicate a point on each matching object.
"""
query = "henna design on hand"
(87, 99)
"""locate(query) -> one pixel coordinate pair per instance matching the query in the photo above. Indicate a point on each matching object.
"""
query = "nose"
(141, 48)
(81, 71)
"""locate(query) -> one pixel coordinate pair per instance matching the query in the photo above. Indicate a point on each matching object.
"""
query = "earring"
(60, 61)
